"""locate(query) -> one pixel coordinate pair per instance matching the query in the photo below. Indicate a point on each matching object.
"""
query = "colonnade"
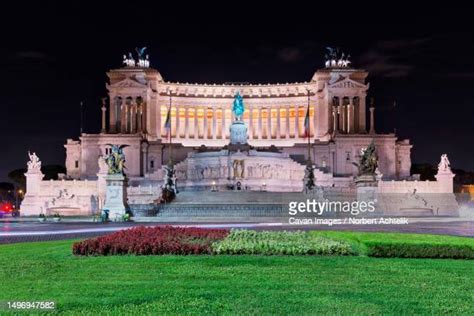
(346, 117)
(213, 122)
(126, 115)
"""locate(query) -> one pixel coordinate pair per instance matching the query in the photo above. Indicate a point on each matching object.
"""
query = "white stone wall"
(410, 186)
(145, 194)
(66, 197)
(419, 198)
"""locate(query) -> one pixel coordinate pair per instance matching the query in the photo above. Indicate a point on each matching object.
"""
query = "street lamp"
(19, 192)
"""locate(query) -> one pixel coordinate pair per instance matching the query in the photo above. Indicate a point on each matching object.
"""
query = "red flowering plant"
(151, 241)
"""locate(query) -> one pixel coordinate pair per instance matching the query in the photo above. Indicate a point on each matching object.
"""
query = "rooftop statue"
(34, 163)
(368, 162)
(142, 61)
(238, 107)
(444, 165)
(140, 52)
(335, 59)
(116, 160)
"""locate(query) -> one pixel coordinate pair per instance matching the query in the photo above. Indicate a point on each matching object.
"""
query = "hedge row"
(421, 250)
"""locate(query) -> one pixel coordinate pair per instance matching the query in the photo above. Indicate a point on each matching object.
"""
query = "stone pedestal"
(238, 133)
(115, 196)
(31, 204)
(366, 188)
(445, 181)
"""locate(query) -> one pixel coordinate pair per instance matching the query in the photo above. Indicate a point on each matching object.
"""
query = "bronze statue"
(116, 159)
(368, 161)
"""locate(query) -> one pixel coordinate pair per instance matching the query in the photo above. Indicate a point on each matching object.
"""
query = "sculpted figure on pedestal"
(116, 159)
(238, 107)
(34, 163)
(444, 165)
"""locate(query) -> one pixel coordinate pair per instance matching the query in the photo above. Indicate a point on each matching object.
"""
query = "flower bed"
(280, 243)
(152, 241)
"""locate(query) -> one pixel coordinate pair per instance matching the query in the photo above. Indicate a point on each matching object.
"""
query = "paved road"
(13, 232)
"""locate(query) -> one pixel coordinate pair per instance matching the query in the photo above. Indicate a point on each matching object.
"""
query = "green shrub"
(279, 243)
(419, 250)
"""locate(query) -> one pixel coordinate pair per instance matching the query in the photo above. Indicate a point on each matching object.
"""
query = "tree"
(7, 190)
(425, 170)
(17, 176)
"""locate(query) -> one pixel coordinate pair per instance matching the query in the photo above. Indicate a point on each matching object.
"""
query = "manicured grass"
(235, 284)
(395, 237)
(407, 244)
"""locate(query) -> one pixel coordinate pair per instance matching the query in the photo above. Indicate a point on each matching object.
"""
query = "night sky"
(55, 56)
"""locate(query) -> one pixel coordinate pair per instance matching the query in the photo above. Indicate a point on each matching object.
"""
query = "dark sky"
(55, 55)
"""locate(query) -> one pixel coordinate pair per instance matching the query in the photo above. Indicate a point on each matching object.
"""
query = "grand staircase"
(225, 206)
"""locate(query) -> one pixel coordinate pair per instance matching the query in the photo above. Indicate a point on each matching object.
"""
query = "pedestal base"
(238, 133)
(366, 188)
(115, 199)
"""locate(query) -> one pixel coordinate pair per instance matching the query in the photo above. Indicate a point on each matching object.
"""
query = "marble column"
(297, 122)
(204, 115)
(372, 120)
(287, 127)
(123, 110)
(362, 109)
(133, 117)
(196, 130)
(335, 120)
(339, 115)
(250, 132)
(343, 116)
(104, 109)
(177, 125)
(350, 116)
(214, 123)
(260, 122)
(139, 118)
(223, 131)
(144, 106)
(186, 122)
(269, 122)
(278, 123)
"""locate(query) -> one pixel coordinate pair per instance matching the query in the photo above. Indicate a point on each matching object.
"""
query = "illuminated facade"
(139, 99)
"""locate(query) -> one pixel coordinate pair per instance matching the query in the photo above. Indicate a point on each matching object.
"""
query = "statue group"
(116, 160)
(168, 189)
(142, 60)
(368, 162)
(35, 163)
(444, 165)
(334, 58)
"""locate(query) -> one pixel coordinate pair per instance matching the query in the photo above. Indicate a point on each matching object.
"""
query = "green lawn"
(237, 284)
